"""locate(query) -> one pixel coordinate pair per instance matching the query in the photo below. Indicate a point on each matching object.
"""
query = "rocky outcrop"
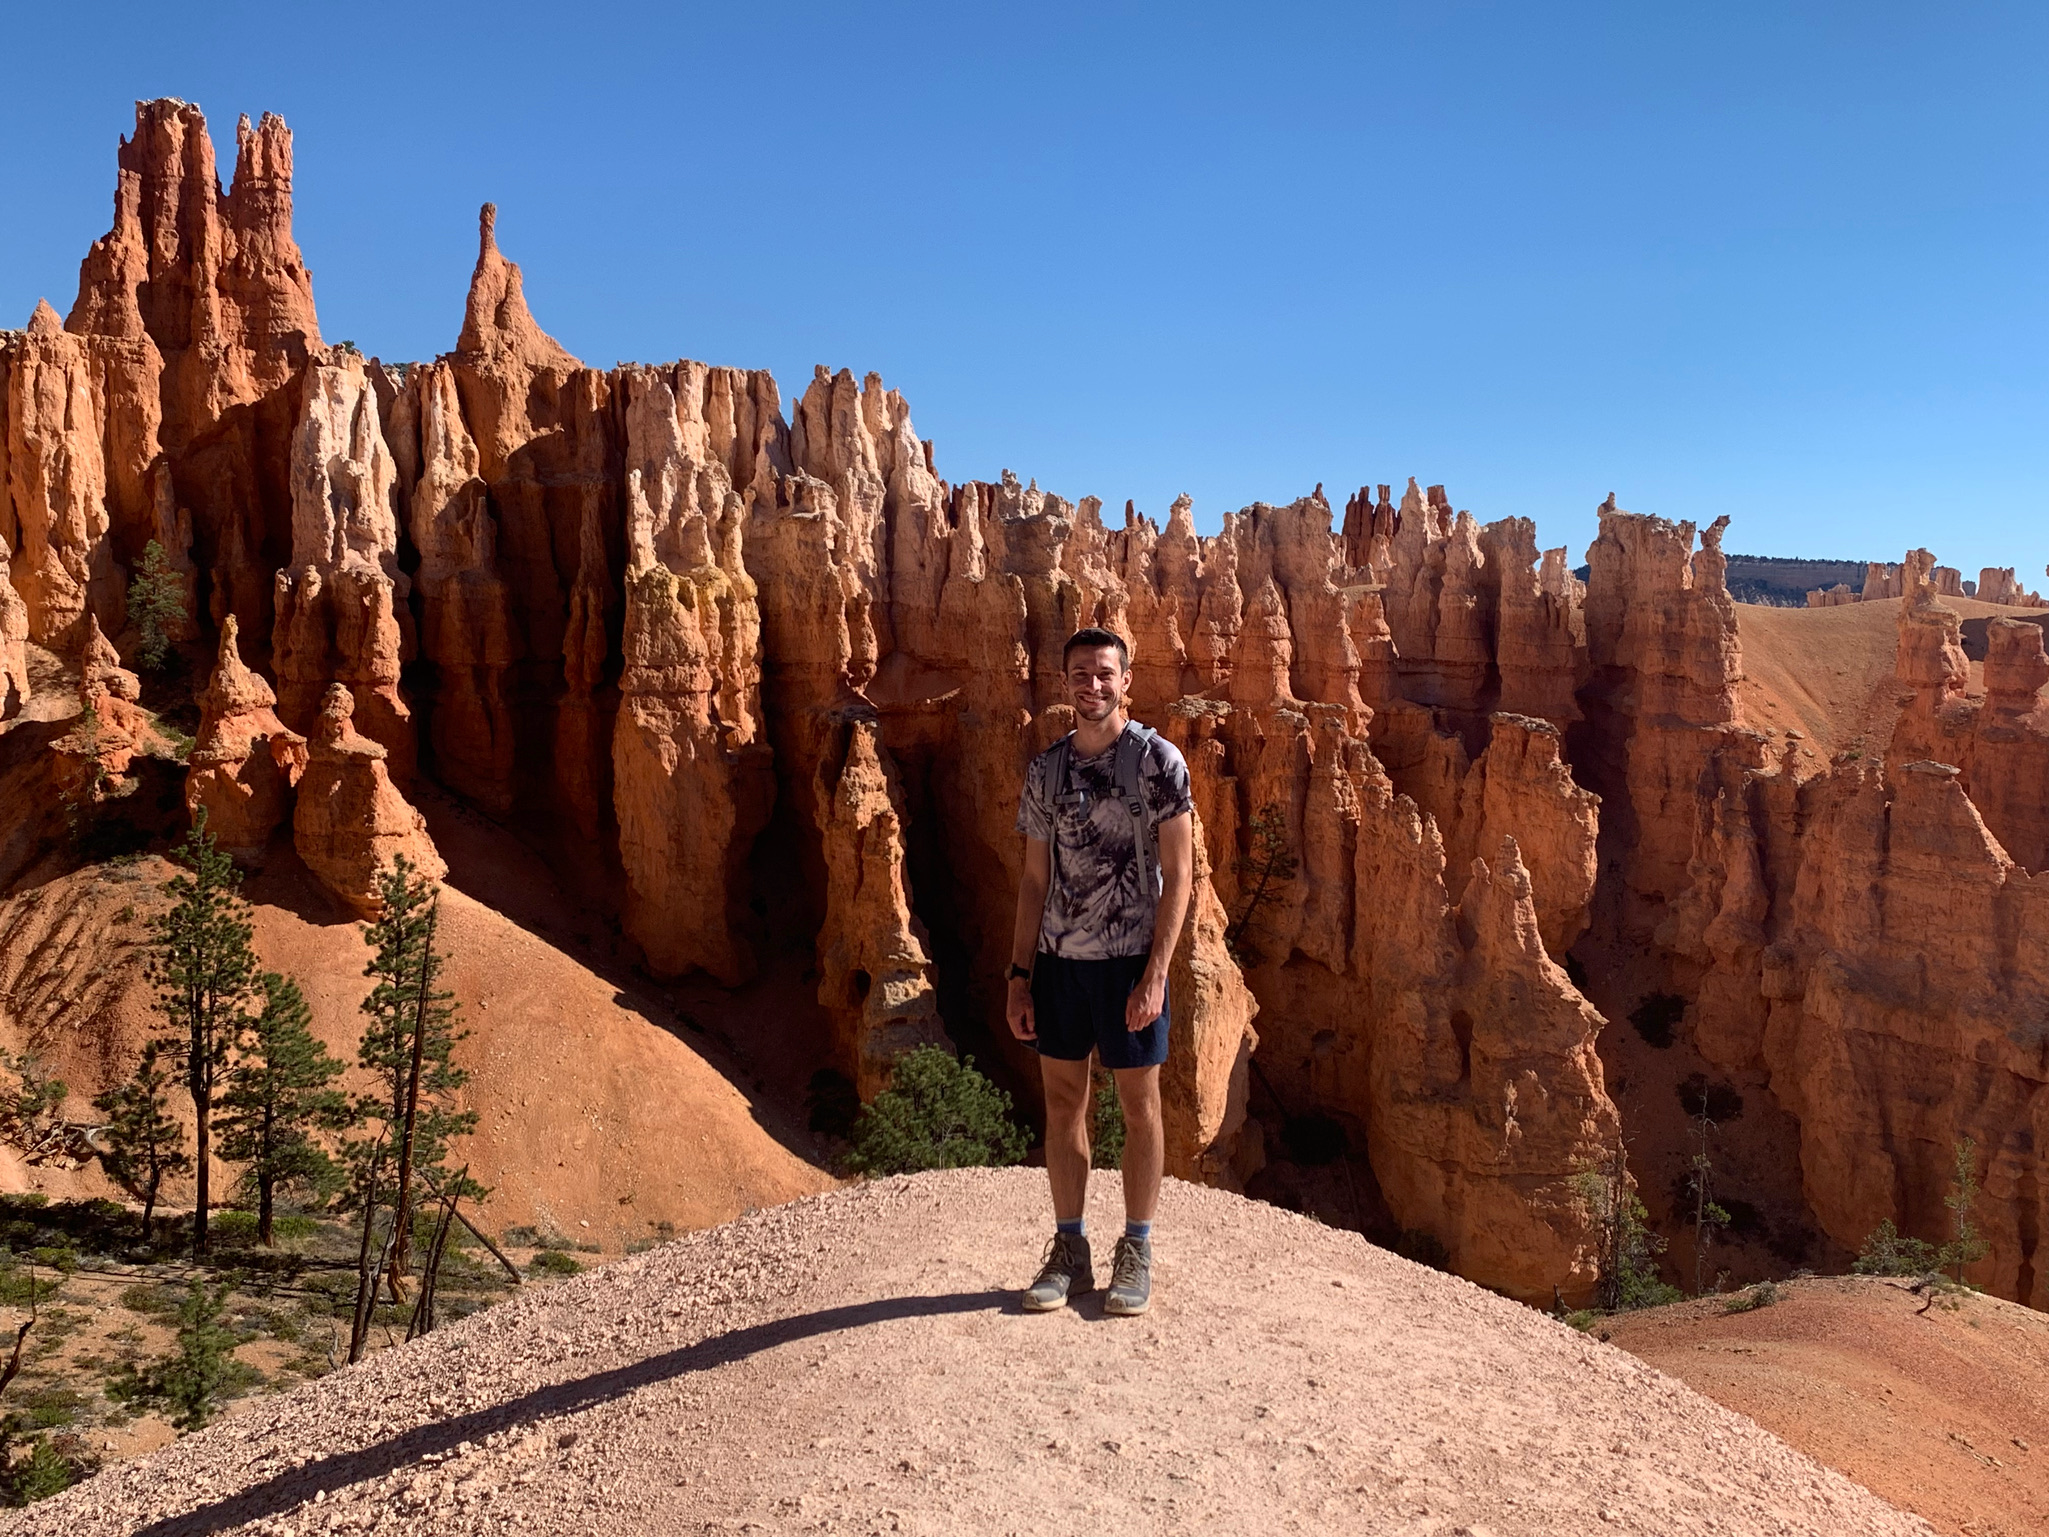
(876, 972)
(244, 762)
(1830, 597)
(341, 614)
(14, 681)
(690, 765)
(1919, 955)
(197, 310)
(1997, 584)
(350, 821)
(57, 522)
(762, 686)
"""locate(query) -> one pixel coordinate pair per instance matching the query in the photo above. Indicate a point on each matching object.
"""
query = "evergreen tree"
(1966, 1244)
(205, 975)
(144, 1145)
(195, 1379)
(1272, 862)
(1629, 1250)
(156, 602)
(408, 1045)
(278, 1096)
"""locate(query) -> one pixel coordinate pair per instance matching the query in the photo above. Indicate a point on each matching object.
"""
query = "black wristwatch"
(1018, 973)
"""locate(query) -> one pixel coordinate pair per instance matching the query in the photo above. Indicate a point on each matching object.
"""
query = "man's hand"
(1146, 1000)
(1018, 1010)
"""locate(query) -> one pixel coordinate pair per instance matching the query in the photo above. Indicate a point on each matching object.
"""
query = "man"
(1109, 851)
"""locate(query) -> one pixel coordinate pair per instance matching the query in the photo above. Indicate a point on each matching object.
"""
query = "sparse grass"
(1762, 1295)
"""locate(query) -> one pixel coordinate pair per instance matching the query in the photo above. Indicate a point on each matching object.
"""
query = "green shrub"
(155, 1300)
(43, 1472)
(1106, 1132)
(1656, 1017)
(1762, 1295)
(554, 1262)
(937, 1113)
(1583, 1319)
(235, 1228)
(49, 1408)
(1885, 1252)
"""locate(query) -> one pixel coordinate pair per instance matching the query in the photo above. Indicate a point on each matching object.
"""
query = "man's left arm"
(1177, 870)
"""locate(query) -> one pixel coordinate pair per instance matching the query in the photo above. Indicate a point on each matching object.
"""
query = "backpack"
(1131, 751)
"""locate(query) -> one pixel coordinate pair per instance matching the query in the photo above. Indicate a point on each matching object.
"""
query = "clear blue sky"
(1784, 261)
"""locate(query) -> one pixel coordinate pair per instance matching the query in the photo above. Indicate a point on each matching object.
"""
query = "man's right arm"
(1024, 938)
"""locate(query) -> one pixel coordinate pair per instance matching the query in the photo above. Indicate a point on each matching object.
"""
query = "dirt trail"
(1944, 1412)
(855, 1363)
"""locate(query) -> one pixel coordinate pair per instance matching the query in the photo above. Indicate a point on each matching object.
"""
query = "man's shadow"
(287, 1491)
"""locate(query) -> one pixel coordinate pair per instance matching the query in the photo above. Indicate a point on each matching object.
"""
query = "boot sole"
(1125, 1309)
(1025, 1300)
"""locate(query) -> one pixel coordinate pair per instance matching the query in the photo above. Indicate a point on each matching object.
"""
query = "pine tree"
(156, 602)
(1272, 862)
(144, 1145)
(408, 1045)
(205, 975)
(278, 1096)
(195, 1379)
(1966, 1244)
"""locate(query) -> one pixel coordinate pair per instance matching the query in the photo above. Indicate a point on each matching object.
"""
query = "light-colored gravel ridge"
(856, 1363)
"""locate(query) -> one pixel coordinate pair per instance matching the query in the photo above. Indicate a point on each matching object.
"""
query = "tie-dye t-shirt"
(1095, 909)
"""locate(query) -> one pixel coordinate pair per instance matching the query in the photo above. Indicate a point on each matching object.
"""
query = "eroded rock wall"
(765, 684)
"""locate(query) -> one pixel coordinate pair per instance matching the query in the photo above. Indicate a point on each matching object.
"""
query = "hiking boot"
(1066, 1273)
(1131, 1278)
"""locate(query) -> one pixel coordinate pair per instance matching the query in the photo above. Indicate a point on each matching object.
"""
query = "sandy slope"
(1944, 1412)
(856, 1363)
(597, 1120)
(1828, 672)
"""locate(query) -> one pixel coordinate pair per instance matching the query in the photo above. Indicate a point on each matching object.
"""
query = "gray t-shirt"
(1095, 908)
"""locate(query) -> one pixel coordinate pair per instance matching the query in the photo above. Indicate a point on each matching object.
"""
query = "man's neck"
(1099, 736)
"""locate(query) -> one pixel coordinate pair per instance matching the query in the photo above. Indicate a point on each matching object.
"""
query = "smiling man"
(1109, 851)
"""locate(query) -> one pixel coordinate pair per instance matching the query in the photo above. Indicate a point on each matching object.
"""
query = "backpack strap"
(1132, 747)
(1058, 795)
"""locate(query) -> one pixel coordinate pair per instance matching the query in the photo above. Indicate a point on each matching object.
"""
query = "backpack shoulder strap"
(1131, 751)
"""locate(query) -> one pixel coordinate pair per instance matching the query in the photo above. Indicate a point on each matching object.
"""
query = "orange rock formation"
(763, 685)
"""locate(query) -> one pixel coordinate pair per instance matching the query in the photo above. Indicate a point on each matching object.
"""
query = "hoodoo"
(760, 684)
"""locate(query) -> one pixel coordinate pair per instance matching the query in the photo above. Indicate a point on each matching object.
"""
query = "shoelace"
(1130, 1264)
(1056, 1251)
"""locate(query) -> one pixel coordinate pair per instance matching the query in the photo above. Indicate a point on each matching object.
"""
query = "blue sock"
(1142, 1230)
(1078, 1228)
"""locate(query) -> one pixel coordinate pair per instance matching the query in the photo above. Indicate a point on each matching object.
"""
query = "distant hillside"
(1785, 582)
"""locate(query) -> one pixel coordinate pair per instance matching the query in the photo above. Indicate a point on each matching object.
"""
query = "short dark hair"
(1089, 639)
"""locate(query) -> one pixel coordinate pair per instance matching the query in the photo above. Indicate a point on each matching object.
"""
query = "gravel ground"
(856, 1362)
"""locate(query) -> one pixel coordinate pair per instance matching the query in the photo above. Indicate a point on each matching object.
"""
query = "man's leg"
(1067, 1271)
(1145, 1142)
(1131, 1275)
(1067, 1135)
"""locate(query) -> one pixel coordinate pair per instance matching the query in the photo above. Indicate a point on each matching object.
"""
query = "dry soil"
(1944, 1411)
(855, 1362)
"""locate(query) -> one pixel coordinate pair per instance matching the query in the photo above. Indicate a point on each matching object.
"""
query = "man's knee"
(1067, 1091)
(1138, 1092)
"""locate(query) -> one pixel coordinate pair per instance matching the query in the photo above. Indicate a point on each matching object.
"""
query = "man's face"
(1097, 681)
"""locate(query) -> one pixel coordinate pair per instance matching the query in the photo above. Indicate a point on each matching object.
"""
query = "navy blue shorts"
(1079, 1008)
